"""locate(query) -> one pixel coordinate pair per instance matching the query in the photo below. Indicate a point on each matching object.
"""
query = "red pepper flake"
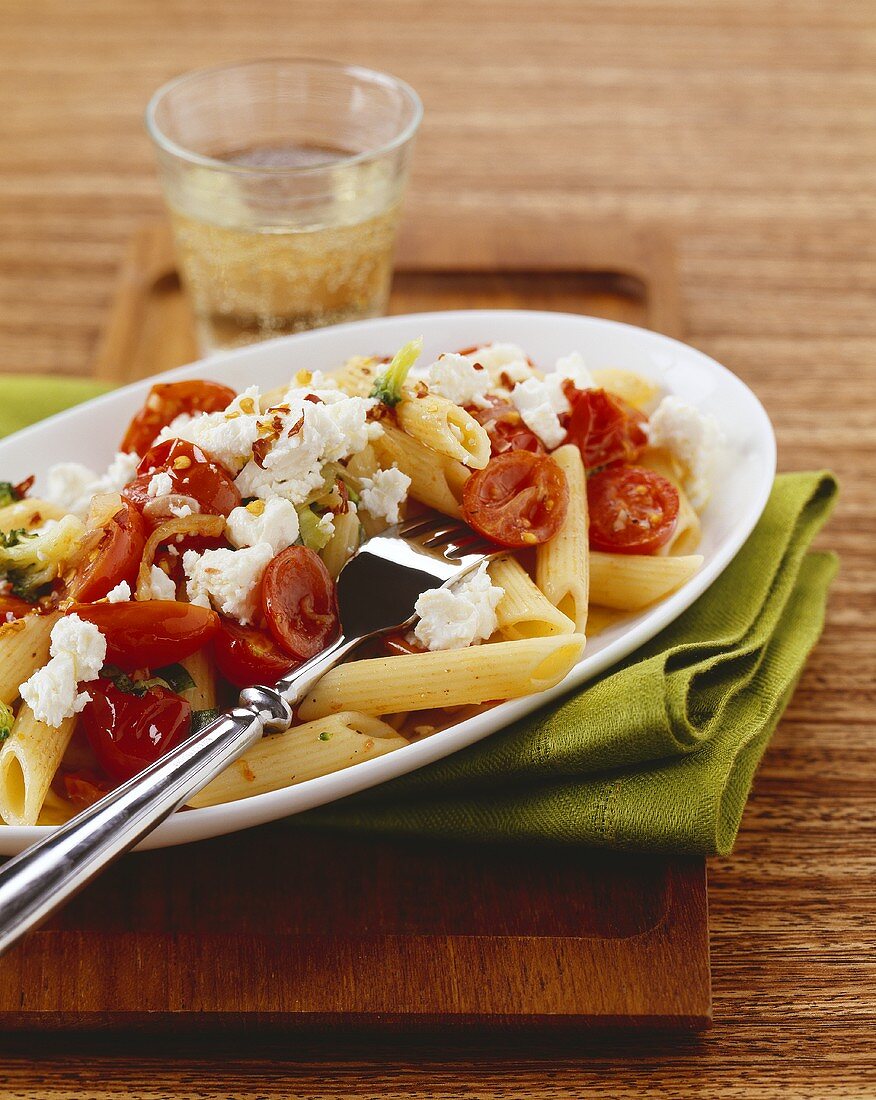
(312, 397)
(260, 450)
(296, 427)
(21, 490)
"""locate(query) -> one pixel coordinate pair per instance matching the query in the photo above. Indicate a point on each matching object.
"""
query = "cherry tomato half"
(110, 555)
(604, 427)
(299, 602)
(518, 499)
(152, 633)
(129, 732)
(84, 788)
(632, 510)
(165, 402)
(192, 474)
(504, 425)
(247, 656)
(14, 606)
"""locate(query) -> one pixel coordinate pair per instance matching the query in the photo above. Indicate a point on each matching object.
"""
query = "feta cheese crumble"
(77, 653)
(120, 594)
(694, 437)
(227, 579)
(458, 379)
(227, 436)
(383, 494)
(160, 485)
(538, 404)
(163, 587)
(274, 522)
(71, 486)
(453, 618)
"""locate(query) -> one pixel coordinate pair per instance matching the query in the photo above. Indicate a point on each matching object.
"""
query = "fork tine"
(474, 547)
(446, 533)
(421, 524)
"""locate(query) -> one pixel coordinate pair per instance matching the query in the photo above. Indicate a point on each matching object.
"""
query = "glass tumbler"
(284, 180)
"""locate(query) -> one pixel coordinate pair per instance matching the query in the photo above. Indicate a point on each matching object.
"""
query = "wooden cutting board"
(276, 930)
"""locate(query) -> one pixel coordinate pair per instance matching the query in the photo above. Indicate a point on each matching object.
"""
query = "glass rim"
(363, 73)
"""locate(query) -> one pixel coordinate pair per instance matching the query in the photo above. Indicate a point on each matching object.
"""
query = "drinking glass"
(284, 180)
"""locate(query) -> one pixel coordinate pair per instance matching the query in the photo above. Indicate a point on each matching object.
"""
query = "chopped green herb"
(388, 384)
(6, 720)
(7, 493)
(122, 680)
(24, 583)
(202, 719)
(176, 678)
(325, 736)
(173, 677)
(8, 539)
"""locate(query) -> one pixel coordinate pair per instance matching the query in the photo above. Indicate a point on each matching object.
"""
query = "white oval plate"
(90, 433)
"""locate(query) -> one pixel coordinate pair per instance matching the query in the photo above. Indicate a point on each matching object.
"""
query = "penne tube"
(561, 564)
(450, 678)
(28, 513)
(28, 762)
(636, 390)
(436, 480)
(446, 428)
(24, 647)
(305, 752)
(629, 582)
(524, 611)
(343, 543)
(356, 376)
(601, 618)
(201, 668)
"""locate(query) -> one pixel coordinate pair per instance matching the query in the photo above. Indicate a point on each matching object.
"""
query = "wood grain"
(747, 128)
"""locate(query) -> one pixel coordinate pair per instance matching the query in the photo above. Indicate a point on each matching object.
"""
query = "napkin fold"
(659, 753)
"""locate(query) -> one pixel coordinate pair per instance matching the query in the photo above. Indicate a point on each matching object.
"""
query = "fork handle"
(294, 686)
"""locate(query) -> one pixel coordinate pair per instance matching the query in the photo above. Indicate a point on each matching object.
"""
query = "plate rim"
(214, 821)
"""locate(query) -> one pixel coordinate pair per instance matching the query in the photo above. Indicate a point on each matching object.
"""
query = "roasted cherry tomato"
(299, 602)
(632, 510)
(604, 427)
(128, 732)
(518, 499)
(192, 475)
(152, 633)
(14, 606)
(165, 402)
(246, 656)
(504, 425)
(85, 788)
(111, 554)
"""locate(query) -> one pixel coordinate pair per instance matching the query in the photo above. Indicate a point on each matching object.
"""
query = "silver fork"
(377, 590)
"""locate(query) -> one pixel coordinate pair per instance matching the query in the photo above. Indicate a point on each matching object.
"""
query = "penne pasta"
(637, 391)
(436, 480)
(561, 564)
(305, 752)
(356, 376)
(629, 582)
(343, 543)
(524, 611)
(450, 678)
(28, 513)
(24, 647)
(446, 428)
(202, 670)
(28, 762)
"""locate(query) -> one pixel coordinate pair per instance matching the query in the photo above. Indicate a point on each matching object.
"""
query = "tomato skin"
(165, 402)
(114, 557)
(84, 788)
(518, 499)
(299, 602)
(604, 427)
(14, 606)
(129, 732)
(504, 425)
(632, 510)
(247, 656)
(152, 633)
(193, 475)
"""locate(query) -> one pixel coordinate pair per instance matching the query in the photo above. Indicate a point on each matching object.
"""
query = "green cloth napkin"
(656, 755)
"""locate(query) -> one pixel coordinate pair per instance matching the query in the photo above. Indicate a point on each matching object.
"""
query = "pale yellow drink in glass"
(280, 235)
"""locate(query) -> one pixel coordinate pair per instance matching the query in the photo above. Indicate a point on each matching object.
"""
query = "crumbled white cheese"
(694, 438)
(227, 436)
(383, 494)
(538, 403)
(70, 485)
(160, 485)
(77, 653)
(505, 363)
(183, 510)
(572, 368)
(120, 594)
(229, 579)
(326, 526)
(453, 618)
(163, 587)
(327, 430)
(459, 379)
(274, 521)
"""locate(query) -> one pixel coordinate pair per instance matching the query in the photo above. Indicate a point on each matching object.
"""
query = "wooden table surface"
(747, 127)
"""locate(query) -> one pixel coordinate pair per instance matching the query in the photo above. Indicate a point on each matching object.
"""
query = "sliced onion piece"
(179, 525)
